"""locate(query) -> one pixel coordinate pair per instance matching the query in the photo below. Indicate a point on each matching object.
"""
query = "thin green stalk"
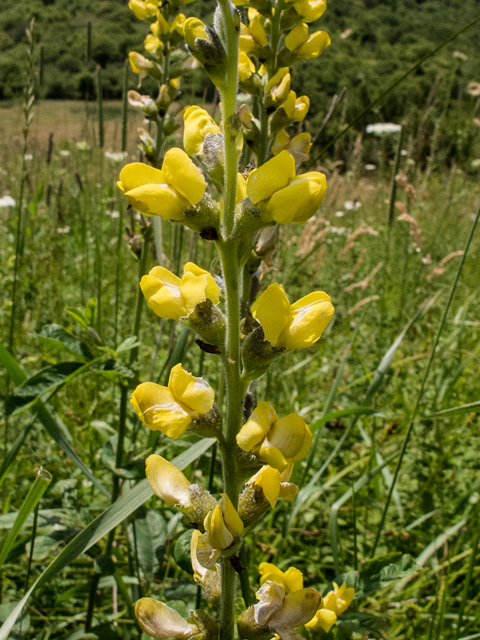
(393, 187)
(392, 86)
(125, 106)
(424, 381)
(118, 275)
(468, 577)
(32, 545)
(101, 123)
(355, 548)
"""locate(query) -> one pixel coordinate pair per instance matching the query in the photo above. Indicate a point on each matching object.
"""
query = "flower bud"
(204, 43)
(292, 326)
(274, 441)
(173, 297)
(168, 192)
(160, 621)
(172, 409)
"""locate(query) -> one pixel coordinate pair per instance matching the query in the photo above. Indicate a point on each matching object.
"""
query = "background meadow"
(387, 245)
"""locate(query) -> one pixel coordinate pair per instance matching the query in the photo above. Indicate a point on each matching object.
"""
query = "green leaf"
(128, 344)
(100, 527)
(40, 383)
(56, 336)
(464, 408)
(362, 623)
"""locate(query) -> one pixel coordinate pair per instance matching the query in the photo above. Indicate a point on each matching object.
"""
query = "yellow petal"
(298, 201)
(271, 596)
(281, 141)
(276, 79)
(271, 455)
(178, 24)
(293, 579)
(272, 310)
(257, 426)
(160, 411)
(231, 518)
(158, 200)
(159, 621)
(300, 146)
(256, 28)
(198, 569)
(137, 174)
(162, 26)
(330, 601)
(314, 45)
(192, 289)
(197, 124)
(167, 482)
(183, 175)
(241, 188)
(207, 556)
(192, 29)
(212, 290)
(344, 598)
(311, 10)
(138, 62)
(138, 8)
(268, 479)
(302, 105)
(296, 37)
(288, 491)
(288, 434)
(152, 43)
(219, 537)
(281, 91)
(311, 316)
(246, 68)
(289, 105)
(323, 620)
(162, 293)
(193, 392)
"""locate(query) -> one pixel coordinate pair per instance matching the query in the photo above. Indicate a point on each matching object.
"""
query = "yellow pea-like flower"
(198, 123)
(152, 44)
(143, 10)
(139, 63)
(275, 484)
(282, 196)
(167, 482)
(278, 87)
(284, 612)
(323, 620)
(222, 525)
(276, 442)
(339, 599)
(173, 297)
(172, 409)
(307, 46)
(255, 27)
(291, 580)
(246, 43)
(166, 192)
(293, 326)
(302, 105)
(246, 68)
(310, 10)
(193, 28)
(178, 24)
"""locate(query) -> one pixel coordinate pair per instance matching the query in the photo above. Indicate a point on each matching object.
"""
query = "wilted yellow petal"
(257, 426)
(298, 608)
(207, 556)
(193, 392)
(288, 491)
(311, 316)
(272, 310)
(296, 37)
(167, 482)
(198, 568)
(281, 141)
(183, 175)
(323, 620)
(159, 621)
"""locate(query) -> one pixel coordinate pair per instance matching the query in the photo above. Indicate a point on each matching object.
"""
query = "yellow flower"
(167, 482)
(197, 124)
(152, 44)
(284, 612)
(160, 621)
(255, 27)
(160, 27)
(298, 147)
(246, 68)
(276, 442)
(168, 192)
(323, 620)
(310, 10)
(275, 484)
(339, 599)
(283, 196)
(194, 28)
(143, 9)
(278, 87)
(302, 105)
(246, 43)
(222, 525)
(172, 409)
(139, 63)
(307, 46)
(173, 297)
(178, 24)
(291, 580)
(293, 326)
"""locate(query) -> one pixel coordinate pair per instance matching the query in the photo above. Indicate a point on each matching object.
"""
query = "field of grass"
(78, 259)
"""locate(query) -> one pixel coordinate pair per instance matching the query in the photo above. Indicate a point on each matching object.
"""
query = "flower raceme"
(283, 196)
(173, 297)
(172, 409)
(168, 192)
(334, 604)
(275, 442)
(293, 326)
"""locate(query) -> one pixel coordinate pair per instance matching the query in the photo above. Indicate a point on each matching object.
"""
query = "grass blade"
(100, 527)
(37, 490)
